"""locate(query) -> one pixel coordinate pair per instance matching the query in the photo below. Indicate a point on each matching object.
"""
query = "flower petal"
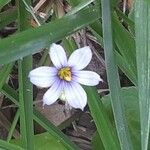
(80, 58)
(43, 76)
(53, 93)
(75, 95)
(58, 55)
(89, 78)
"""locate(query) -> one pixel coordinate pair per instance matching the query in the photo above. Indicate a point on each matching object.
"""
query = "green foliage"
(113, 78)
(32, 40)
(44, 141)
(3, 3)
(122, 118)
(142, 32)
(130, 101)
(131, 104)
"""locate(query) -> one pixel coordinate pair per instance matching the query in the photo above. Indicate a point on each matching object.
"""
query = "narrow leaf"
(142, 30)
(25, 87)
(113, 79)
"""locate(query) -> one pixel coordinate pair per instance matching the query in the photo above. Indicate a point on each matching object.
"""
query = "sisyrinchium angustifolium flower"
(66, 76)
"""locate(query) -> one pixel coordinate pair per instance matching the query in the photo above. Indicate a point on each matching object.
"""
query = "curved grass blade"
(113, 79)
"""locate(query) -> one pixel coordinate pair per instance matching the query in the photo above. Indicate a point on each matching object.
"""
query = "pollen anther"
(65, 73)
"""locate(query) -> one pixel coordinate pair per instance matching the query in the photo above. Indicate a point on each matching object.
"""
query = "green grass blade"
(10, 93)
(54, 131)
(32, 40)
(10, 16)
(142, 30)
(121, 61)
(113, 79)
(25, 87)
(3, 3)
(80, 6)
(26, 104)
(103, 124)
(14, 123)
(7, 146)
(4, 74)
(126, 45)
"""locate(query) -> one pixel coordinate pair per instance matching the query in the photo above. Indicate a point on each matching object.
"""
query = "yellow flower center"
(65, 73)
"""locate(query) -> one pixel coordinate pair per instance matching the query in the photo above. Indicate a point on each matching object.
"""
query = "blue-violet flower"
(66, 76)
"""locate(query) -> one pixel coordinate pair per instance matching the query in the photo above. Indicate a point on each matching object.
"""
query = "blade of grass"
(25, 87)
(113, 79)
(80, 6)
(142, 30)
(103, 124)
(10, 16)
(32, 40)
(4, 73)
(14, 123)
(121, 61)
(126, 46)
(125, 17)
(3, 3)
(46, 124)
(7, 146)
(10, 93)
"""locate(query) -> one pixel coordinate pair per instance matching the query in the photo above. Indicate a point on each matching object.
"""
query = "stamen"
(65, 74)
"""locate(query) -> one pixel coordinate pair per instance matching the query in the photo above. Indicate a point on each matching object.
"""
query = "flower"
(65, 77)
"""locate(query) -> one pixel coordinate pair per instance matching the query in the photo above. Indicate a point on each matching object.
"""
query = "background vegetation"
(122, 117)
